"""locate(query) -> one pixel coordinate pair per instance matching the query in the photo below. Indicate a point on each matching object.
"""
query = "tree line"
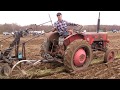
(89, 28)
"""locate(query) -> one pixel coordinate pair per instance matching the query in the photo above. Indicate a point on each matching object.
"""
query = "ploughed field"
(97, 69)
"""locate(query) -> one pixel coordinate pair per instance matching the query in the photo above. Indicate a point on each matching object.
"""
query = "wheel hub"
(111, 56)
(79, 57)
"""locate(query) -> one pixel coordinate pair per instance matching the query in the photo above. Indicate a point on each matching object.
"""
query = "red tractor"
(77, 50)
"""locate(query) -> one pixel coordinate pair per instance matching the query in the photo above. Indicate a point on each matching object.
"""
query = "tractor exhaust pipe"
(98, 23)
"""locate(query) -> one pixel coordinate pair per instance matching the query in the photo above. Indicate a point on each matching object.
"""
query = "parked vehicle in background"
(42, 32)
(115, 31)
(6, 33)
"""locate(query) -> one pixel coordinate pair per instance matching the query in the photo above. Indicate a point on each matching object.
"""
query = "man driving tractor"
(61, 26)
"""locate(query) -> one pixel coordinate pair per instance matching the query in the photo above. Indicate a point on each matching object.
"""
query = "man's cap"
(58, 14)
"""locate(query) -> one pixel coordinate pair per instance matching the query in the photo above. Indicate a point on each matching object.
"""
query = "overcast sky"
(79, 17)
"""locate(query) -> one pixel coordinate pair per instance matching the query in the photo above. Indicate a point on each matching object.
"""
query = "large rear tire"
(78, 55)
(44, 47)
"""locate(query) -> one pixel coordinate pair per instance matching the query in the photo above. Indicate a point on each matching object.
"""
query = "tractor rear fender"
(52, 36)
(71, 38)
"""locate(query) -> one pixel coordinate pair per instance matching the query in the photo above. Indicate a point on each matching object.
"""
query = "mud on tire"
(70, 52)
(44, 47)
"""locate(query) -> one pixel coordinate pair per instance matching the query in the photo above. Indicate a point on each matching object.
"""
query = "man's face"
(59, 17)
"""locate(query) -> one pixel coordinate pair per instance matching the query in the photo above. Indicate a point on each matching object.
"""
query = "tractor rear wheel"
(109, 55)
(78, 55)
(44, 47)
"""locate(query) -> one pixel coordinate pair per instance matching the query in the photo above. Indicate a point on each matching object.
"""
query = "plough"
(17, 64)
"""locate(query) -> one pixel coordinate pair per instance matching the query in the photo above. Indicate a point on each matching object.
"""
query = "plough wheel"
(78, 55)
(21, 67)
(6, 69)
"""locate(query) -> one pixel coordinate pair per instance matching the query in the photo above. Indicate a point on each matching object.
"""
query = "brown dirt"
(109, 70)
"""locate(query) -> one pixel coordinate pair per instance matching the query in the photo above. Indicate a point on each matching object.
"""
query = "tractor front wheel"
(78, 55)
(109, 55)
